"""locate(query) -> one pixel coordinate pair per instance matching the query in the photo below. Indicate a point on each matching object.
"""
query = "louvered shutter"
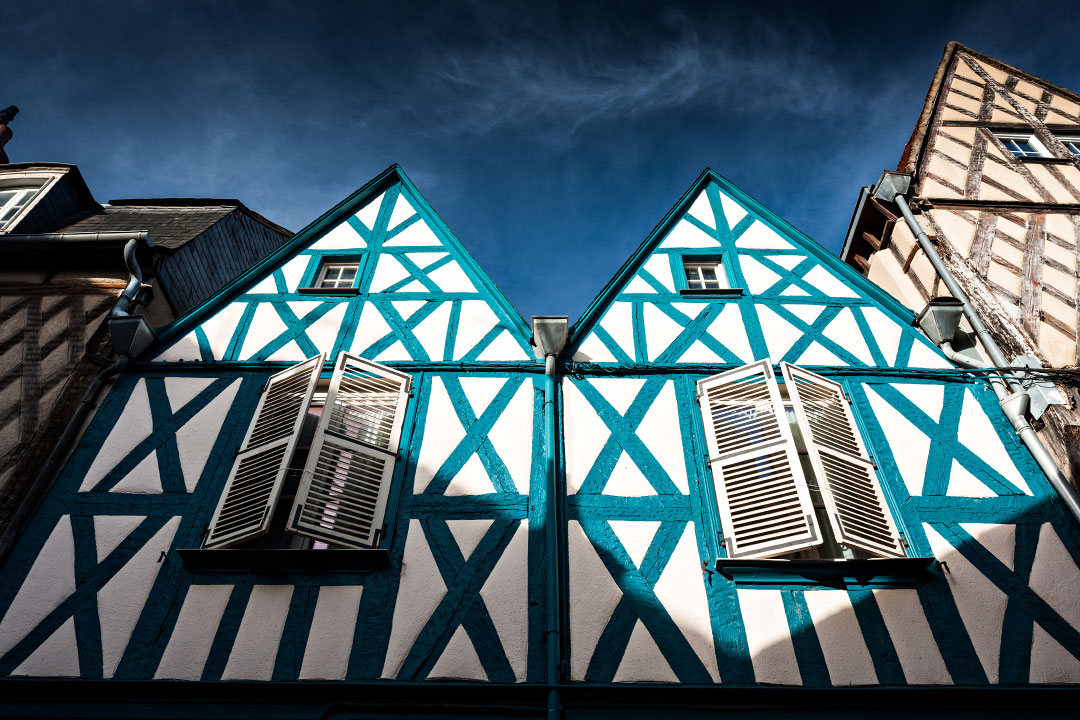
(342, 496)
(259, 469)
(857, 509)
(765, 506)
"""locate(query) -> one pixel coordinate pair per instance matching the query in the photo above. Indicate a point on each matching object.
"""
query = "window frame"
(717, 261)
(238, 555)
(1074, 141)
(713, 490)
(333, 263)
(34, 186)
(1030, 139)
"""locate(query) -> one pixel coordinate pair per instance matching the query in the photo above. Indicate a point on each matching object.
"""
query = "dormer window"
(16, 195)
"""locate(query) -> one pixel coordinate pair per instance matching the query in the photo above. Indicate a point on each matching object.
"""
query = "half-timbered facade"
(766, 477)
(64, 271)
(995, 166)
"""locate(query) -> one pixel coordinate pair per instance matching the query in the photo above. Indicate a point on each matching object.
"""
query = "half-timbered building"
(994, 162)
(327, 492)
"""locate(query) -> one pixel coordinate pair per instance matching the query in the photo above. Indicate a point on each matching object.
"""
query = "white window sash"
(762, 497)
(346, 481)
(258, 472)
(854, 501)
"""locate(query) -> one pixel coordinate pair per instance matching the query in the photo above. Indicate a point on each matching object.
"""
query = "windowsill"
(877, 572)
(721, 292)
(284, 561)
(1047, 160)
(328, 291)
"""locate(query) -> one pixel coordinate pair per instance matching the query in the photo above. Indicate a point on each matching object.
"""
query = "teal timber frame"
(599, 305)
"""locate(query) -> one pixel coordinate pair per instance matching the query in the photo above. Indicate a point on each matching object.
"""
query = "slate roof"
(170, 225)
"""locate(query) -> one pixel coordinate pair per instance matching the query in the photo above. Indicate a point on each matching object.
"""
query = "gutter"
(864, 195)
(131, 334)
(549, 338)
(1012, 397)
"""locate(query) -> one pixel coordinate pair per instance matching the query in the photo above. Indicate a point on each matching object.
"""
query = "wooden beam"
(871, 241)
(889, 214)
(92, 287)
(1031, 278)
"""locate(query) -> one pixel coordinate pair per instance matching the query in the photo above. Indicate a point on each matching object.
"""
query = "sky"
(550, 137)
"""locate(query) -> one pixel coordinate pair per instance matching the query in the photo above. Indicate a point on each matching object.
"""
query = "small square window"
(337, 275)
(1023, 146)
(704, 275)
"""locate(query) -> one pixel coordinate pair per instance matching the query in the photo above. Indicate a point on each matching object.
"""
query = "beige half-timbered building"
(995, 167)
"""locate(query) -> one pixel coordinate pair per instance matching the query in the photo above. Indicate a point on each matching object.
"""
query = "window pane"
(709, 273)
(338, 275)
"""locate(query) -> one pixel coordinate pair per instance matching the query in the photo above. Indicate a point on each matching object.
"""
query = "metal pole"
(551, 537)
(1013, 404)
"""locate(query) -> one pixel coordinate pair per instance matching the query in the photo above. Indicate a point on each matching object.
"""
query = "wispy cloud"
(563, 85)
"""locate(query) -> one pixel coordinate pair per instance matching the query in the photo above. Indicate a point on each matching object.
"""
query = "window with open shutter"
(855, 504)
(764, 503)
(260, 466)
(346, 480)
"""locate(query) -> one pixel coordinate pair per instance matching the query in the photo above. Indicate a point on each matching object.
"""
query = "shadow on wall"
(999, 608)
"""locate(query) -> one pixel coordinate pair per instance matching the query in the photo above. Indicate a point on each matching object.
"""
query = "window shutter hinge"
(296, 515)
(904, 542)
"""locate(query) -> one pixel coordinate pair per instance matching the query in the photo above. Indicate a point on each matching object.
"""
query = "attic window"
(704, 275)
(1023, 146)
(337, 275)
(15, 195)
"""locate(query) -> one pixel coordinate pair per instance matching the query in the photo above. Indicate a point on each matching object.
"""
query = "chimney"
(6, 116)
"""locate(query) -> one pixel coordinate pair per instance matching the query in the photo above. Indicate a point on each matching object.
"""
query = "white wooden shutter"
(765, 506)
(857, 509)
(342, 496)
(259, 469)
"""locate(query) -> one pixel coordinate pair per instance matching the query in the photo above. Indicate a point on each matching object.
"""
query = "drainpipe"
(549, 338)
(131, 335)
(1014, 402)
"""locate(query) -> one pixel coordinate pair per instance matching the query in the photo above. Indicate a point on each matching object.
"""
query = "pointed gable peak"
(716, 222)
(382, 250)
(723, 280)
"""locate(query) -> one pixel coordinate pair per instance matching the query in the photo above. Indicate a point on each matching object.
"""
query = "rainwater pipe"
(549, 339)
(129, 338)
(1015, 400)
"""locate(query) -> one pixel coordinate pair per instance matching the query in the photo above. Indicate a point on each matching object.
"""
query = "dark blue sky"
(550, 137)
